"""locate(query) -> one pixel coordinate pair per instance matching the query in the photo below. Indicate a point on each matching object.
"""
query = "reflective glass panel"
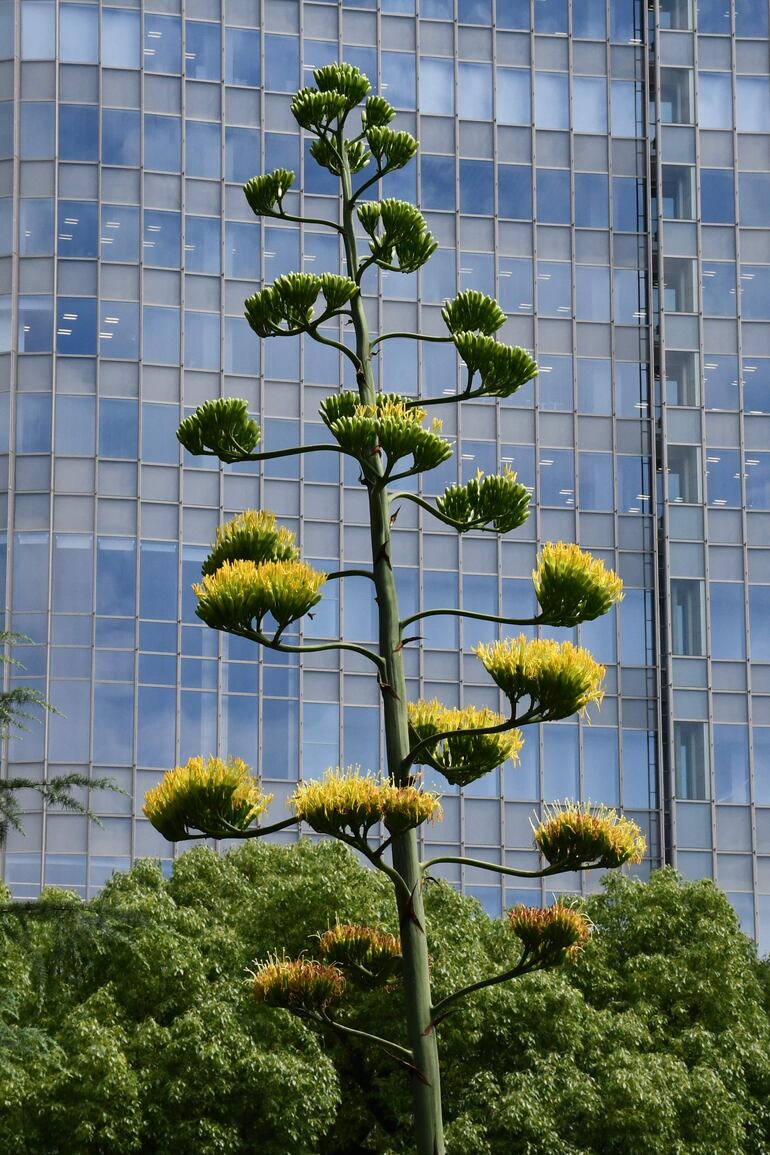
(162, 238)
(551, 100)
(35, 226)
(119, 329)
(477, 187)
(78, 132)
(591, 200)
(35, 324)
(728, 627)
(120, 233)
(592, 293)
(514, 191)
(731, 763)
(553, 196)
(76, 326)
(398, 78)
(754, 198)
(121, 41)
(475, 91)
(118, 428)
(75, 425)
(120, 136)
(242, 57)
(203, 149)
(78, 230)
(38, 29)
(202, 51)
(589, 104)
(78, 33)
(717, 196)
(715, 100)
(514, 100)
(723, 477)
(162, 43)
(201, 341)
(160, 335)
(282, 63)
(37, 131)
(755, 292)
(242, 155)
(202, 245)
(437, 86)
(752, 103)
(162, 142)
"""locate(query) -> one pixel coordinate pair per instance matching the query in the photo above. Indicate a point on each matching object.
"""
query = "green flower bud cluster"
(403, 242)
(290, 300)
(497, 502)
(473, 312)
(391, 150)
(213, 796)
(392, 426)
(463, 757)
(326, 154)
(377, 113)
(265, 193)
(251, 536)
(503, 368)
(339, 88)
(221, 427)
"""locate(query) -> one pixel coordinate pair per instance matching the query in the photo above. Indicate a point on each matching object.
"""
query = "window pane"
(115, 576)
(119, 329)
(78, 34)
(723, 476)
(551, 17)
(78, 132)
(281, 63)
(626, 107)
(242, 154)
(688, 629)
(475, 91)
(551, 101)
(242, 57)
(76, 326)
(121, 46)
(398, 78)
(33, 423)
(202, 244)
(718, 285)
(437, 87)
(592, 293)
(557, 477)
(120, 137)
(77, 234)
(118, 428)
(715, 100)
(691, 761)
(120, 233)
(38, 30)
(75, 426)
(201, 341)
(476, 187)
(35, 333)
(162, 43)
(162, 238)
(37, 131)
(758, 480)
(717, 196)
(514, 191)
(162, 143)
(588, 20)
(731, 763)
(202, 51)
(438, 182)
(203, 147)
(553, 199)
(728, 631)
(242, 251)
(720, 380)
(754, 198)
(596, 481)
(752, 103)
(160, 335)
(751, 19)
(589, 104)
(755, 292)
(35, 226)
(591, 207)
(554, 289)
(756, 385)
(514, 102)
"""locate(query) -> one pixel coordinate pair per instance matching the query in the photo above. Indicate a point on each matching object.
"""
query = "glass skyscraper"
(605, 172)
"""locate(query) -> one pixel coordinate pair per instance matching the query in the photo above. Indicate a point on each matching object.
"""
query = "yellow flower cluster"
(240, 593)
(213, 796)
(372, 954)
(251, 536)
(573, 835)
(297, 984)
(551, 934)
(572, 586)
(467, 756)
(557, 677)
(345, 800)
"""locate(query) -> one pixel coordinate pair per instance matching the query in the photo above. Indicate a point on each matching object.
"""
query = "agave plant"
(255, 585)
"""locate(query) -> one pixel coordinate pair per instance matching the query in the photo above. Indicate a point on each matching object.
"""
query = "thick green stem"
(426, 1085)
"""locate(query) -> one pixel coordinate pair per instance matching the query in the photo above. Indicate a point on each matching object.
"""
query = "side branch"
(234, 832)
(323, 447)
(479, 617)
(281, 647)
(395, 1050)
(411, 337)
(523, 967)
(434, 739)
(337, 574)
(497, 868)
(302, 220)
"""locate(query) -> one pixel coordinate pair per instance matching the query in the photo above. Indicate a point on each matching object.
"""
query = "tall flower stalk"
(255, 586)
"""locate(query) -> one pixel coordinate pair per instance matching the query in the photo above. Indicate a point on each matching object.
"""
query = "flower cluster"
(497, 501)
(572, 586)
(221, 427)
(213, 796)
(467, 756)
(291, 300)
(297, 984)
(473, 312)
(558, 678)
(371, 954)
(251, 536)
(574, 835)
(265, 193)
(348, 802)
(240, 593)
(551, 934)
(392, 426)
(398, 234)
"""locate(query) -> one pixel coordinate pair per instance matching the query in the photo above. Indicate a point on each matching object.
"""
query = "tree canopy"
(126, 1024)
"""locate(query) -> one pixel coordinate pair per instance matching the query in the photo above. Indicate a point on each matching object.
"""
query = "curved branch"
(475, 615)
(300, 220)
(253, 832)
(395, 1049)
(410, 337)
(312, 330)
(460, 526)
(522, 968)
(271, 644)
(346, 573)
(321, 447)
(481, 864)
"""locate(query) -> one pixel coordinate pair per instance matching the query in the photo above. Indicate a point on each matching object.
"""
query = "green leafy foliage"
(222, 427)
(125, 1024)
